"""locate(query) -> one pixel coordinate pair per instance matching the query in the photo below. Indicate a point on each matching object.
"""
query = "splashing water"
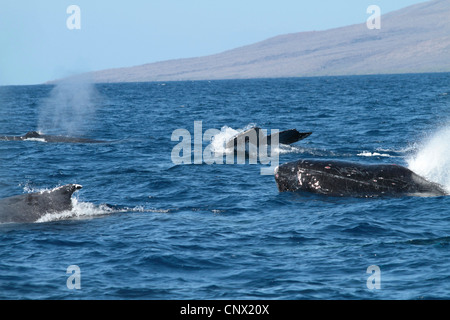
(432, 159)
(80, 210)
(373, 154)
(68, 109)
(220, 140)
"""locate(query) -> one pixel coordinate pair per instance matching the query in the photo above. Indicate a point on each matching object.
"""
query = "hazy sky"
(36, 45)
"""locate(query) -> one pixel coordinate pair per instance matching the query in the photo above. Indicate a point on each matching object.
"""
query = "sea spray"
(432, 159)
(220, 140)
(69, 109)
(80, 210)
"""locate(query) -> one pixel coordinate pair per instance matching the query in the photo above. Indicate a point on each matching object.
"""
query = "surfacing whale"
(348, 179)
(32, 206)
(253, 135)
(34, 135)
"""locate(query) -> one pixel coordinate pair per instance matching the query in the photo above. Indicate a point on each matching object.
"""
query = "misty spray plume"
(432, 159)
(69, 109)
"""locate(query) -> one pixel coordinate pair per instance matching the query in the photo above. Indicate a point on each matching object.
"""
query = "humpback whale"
(253, 135)
(348, 179)
(34, 135)
(30, 207)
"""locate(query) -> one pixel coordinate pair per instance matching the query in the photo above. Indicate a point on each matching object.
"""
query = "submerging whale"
(30, 207)
(34, 135)
(340, 179)
(253, 135)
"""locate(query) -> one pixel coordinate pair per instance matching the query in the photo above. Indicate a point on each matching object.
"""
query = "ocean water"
(143, 227)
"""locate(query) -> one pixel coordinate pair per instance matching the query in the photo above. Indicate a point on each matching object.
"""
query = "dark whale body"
(341, 179)
(32, 206)
(284, 137)
(34, 135)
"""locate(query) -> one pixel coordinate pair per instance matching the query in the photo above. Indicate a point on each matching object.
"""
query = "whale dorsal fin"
(32, 134)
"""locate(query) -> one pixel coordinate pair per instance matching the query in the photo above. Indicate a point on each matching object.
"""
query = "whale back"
(253, 135)
(30, 207)
(336, 178)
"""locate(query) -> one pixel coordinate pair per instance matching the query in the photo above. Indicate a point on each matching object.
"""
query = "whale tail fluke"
(286, 137)
(289, 136)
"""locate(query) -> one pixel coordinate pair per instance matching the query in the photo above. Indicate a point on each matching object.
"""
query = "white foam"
(373, 154)
(80, 210)
(219, 141)
(284, 149)
(29, 189)
(407, 149)
(432, 159)
(35, 139)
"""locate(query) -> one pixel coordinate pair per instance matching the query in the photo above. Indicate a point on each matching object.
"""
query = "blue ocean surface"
(144, 227)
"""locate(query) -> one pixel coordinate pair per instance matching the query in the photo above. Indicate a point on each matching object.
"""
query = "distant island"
(415, 39)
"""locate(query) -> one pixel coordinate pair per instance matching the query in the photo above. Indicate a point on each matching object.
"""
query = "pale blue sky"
(36, 45)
